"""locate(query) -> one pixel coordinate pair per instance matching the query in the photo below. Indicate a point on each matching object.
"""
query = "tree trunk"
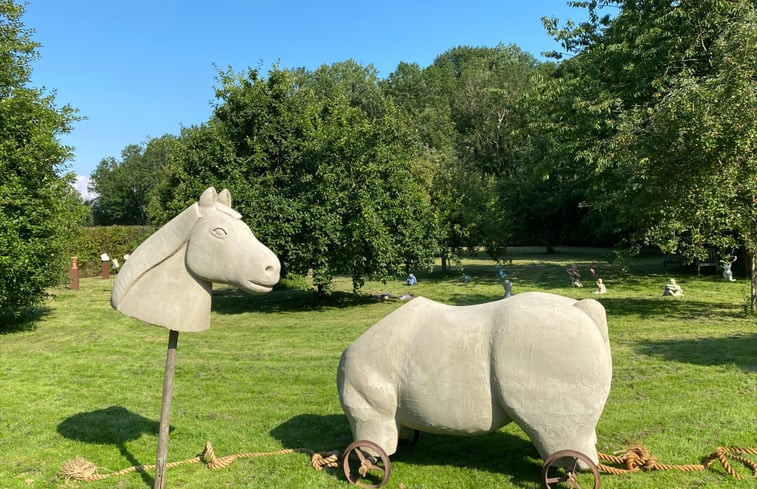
(444, 261)
(751, 268)
(550, 242)
(550, 245)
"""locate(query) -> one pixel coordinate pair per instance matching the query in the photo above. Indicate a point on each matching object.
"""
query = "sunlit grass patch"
(84, 380)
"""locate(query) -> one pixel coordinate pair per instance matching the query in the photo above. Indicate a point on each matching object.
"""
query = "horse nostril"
(269, 269)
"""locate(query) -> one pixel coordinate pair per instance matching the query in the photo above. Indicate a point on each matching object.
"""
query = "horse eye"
(219, 232)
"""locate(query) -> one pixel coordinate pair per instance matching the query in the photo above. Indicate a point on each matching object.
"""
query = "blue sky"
(138, 69)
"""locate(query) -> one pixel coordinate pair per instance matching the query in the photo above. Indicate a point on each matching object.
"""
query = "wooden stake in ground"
(165, 411)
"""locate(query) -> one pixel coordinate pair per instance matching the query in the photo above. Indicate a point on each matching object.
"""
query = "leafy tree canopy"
(319, 163)
(38, 207)
(670, 91)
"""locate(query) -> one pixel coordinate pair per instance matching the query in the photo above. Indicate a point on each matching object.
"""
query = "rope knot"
(207, 454)
(79, 469)
(638, 458)
(330, 460)
(650, 464)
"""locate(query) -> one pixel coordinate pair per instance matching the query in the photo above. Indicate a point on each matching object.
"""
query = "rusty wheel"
(366, 464)
(563, 467)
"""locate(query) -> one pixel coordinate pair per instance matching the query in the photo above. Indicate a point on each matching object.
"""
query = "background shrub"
(91, 242)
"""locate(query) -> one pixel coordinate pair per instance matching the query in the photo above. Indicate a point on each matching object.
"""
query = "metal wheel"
(563, 467)
(366, 464)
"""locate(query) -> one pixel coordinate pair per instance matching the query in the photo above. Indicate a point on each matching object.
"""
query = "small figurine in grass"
(575, 277)
(672, 288)
(601, 288)
(508, 288)
(727, 273)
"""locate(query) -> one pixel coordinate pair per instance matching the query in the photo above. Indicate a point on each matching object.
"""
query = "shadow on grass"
(314, 431)
(671, 308)
(24, 322)
(233, 301)
(739, 350)
(114, 425)
(498, 452)
(472, 299)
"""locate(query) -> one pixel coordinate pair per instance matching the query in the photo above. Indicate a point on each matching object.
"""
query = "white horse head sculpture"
(168, 279)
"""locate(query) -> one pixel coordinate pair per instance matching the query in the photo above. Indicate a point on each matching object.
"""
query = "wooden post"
(74, 273)
(165, 411)
(751, 270)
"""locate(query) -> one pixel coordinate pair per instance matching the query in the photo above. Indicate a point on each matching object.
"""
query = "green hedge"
(92, 241)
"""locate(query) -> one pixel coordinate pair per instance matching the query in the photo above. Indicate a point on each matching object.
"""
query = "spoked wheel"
(563, 467)
(366, 464)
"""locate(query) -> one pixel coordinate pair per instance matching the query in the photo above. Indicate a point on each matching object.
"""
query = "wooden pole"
(74, 273)
(165, 411)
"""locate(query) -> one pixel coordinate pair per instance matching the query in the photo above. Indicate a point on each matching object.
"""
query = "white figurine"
(508, 288)
(601, 288)
(727, 273)
(672, 288)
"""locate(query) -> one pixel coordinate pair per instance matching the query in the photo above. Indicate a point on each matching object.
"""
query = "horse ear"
(225, 197)
(208, 197)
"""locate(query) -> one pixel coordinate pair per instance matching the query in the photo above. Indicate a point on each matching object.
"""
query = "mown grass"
(81, 379)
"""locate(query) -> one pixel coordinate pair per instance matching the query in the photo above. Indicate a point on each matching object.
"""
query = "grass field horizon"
(83, 380)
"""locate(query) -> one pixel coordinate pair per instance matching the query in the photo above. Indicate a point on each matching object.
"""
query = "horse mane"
(160, 246)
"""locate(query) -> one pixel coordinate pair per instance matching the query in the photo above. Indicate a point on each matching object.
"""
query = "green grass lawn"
(84, 380)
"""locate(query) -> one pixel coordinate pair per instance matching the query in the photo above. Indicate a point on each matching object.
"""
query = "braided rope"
(83, 470)
(637, 458)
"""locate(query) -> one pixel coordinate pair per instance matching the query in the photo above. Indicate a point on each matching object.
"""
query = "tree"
(552, 182)
(38, 206)
(319, 164)
(184, 166)
(463, 107)
(124, 187)
(673, 85)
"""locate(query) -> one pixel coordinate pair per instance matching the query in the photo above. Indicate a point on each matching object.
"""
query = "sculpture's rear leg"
(370, 404)
(374, 427)
(550, 436)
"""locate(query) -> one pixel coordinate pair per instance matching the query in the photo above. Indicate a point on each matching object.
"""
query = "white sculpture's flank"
(538, 359)
(167, 280)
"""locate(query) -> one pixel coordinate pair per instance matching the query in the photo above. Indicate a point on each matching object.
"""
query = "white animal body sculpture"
(538, 359)
(167, 280)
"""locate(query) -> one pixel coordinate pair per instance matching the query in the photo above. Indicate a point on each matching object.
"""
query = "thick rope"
(637, 459)
(83, 470)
